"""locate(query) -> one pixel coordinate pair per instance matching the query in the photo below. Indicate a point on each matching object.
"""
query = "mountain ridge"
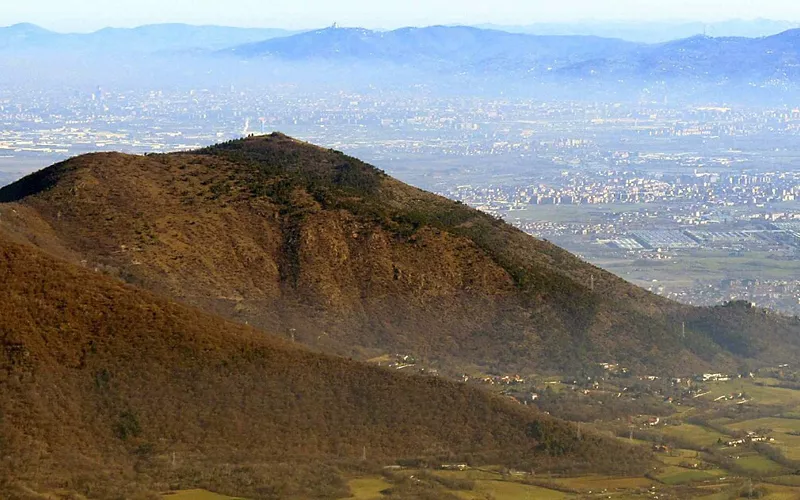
(463, 45)
(654, 31)
(140, 39)
(770, 60)
(448, 58)
(295, 238)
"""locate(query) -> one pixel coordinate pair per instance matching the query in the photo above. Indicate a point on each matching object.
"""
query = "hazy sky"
(84, 15)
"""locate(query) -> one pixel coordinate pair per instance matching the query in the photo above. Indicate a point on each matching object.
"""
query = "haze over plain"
(510, 250)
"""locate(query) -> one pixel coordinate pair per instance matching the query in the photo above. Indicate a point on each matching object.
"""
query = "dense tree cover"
(543, 272)
(275, 171)
(288, 236)
(575, 407)
(105, 387)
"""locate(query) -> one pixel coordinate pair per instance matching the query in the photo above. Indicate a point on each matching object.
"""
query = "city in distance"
(484, 256)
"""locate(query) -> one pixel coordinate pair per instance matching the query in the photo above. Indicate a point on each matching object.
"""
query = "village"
(711, 433)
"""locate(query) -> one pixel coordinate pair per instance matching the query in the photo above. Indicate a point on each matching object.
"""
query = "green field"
(507, 490)
(672, 475)
(685, 269)
(771, 492)
(598, 483)
(696, 434)
(635, 441)
(368, 488)
(780, 429)
(763, 395)
(758, 464)
(473, 474)
(195, 495)
(789, 445)
(679, 459)
(781, 493)
(782, 425)
(790, 480)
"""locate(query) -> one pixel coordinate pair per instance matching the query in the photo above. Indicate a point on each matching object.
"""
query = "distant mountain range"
(765, 61)
(440, 45)
(768, 60)
(150, 38)
(447, 58)
(653, 31)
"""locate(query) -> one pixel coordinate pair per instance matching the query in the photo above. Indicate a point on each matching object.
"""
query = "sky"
(87, 15)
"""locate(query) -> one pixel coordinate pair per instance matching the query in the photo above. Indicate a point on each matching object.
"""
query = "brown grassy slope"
(283, 235)
(102, 380)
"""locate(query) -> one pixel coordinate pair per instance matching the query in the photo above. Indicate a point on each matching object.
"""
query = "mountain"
(25, 35)
(774, 59)
(723, 67)
(110, 392)
(449, 45)
(156, 37)
(143, 39)
(445, 59)
(318, 246)
(652, 31)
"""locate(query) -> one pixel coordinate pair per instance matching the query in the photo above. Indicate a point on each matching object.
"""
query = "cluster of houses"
(498, 380)
(460, 467)
(653, 421)
(405, 362)
(613, 368)
(644, 421)
(402, 361)
(751, 437)
(739, 397)
(522, 397)
(712, 377)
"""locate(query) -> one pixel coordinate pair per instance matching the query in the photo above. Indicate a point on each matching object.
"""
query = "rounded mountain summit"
(314, 244)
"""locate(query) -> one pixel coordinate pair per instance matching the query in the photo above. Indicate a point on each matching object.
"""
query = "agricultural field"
(758, 465)
(368, 488)
(701, 436)
(195, 495)
(759, 393)
(673, 475)
(781, 430)
(775, 424)
(510, 490)
(596, 483)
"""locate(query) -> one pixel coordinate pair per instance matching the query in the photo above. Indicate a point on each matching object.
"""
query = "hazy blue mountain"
(25, 35)
(517, 57)
(144, 39)
(467, 47)
(772, 60)
(184, 36)
(454, 60)
(654, 31)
